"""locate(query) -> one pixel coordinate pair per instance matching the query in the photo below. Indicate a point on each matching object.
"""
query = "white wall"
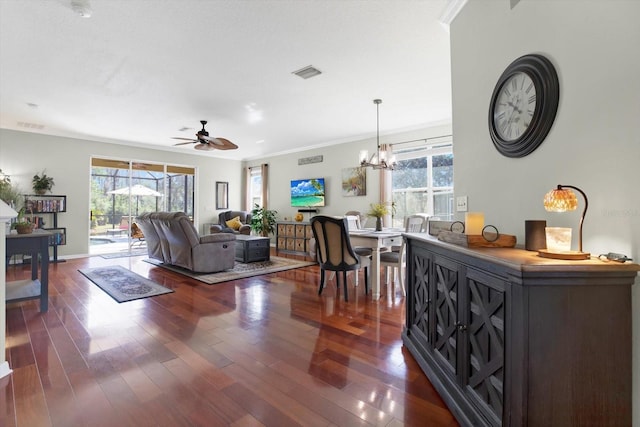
(284, 168)
(68, 161)
(594, 143)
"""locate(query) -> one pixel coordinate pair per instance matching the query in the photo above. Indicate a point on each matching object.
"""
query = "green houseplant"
(22, 226)
(9, 193)
(263, 221)
(378, 210)
(42, 183)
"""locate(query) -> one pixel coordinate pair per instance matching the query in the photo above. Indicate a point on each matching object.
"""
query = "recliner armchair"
(221, 227)
(173, 239)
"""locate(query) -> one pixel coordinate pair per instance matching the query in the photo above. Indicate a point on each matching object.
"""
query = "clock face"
(523, 105)
(515, 106)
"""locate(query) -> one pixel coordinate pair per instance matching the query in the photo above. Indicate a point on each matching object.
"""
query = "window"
(255, 187)
(180, 189)
(423, 179)
(121, 190)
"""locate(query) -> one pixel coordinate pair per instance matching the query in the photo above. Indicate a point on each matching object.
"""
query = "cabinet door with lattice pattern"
(447, 299)
(484, 333)
(420, 294)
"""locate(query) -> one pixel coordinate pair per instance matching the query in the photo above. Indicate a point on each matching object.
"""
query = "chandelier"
(380, 159)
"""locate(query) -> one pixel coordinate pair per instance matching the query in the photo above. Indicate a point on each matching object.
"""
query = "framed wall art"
(354, 182)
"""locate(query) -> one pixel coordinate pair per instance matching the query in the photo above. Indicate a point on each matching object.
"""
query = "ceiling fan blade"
(205, 142)
(182, 139)
(184, 143)
(225, 144)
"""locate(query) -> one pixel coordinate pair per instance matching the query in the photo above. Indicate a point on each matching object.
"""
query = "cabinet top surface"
(248, 238)
(34, 235)
(529, 261)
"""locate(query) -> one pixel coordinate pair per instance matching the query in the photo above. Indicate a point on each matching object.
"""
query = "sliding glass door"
(121, 190)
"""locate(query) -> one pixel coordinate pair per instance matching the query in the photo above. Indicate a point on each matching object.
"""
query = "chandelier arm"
(380, 162)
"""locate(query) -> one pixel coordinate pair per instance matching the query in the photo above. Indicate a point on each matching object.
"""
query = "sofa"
(226, 224)
(172, 239)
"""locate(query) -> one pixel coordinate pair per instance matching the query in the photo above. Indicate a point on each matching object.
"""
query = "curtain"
(386, 193)
(247, 190)
(265, 185)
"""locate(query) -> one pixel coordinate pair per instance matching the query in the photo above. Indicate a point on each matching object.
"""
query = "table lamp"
(562, 199)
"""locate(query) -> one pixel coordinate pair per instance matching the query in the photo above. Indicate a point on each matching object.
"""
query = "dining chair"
(354, 223)
(335, 253)
(395, 259)
(362, 218)
(136, 233)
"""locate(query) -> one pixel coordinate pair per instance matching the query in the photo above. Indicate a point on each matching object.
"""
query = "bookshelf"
(49, 205)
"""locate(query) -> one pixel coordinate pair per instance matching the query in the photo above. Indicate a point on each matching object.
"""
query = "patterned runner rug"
(240, 270)
(122, 284)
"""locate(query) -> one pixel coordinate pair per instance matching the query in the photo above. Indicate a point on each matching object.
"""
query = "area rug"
(122, 284)
(114, 255)
(240, 270)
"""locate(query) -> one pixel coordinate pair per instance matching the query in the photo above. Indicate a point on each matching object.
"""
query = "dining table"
(377, 241)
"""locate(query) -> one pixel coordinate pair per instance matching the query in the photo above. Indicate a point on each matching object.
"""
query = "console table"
(36, 245)
(510, 338)
(293, 237)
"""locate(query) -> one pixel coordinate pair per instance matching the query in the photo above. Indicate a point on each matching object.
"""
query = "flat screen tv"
(307, 192)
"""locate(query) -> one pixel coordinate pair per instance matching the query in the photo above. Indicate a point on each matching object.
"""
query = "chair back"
(136, 233)
(353, 222)
(154, 242)
(333, 246)
(414, 224)
(361, 217)
(124, 223)
(245, 217)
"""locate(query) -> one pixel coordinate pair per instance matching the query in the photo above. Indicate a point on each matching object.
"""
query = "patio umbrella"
(136, 190)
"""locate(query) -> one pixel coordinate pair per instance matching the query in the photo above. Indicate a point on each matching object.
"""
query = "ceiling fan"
(206, 142)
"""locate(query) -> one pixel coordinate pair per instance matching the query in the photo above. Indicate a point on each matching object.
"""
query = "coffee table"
(252, 248)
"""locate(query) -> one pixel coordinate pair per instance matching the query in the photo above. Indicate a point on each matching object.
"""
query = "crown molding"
(450, 11)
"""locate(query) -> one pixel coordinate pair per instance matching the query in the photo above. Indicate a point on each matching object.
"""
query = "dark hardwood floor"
(260, 351)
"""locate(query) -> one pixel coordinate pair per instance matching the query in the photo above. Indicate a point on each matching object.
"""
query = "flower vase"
(378, 224)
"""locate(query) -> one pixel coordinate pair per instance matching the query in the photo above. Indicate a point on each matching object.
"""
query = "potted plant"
(378, 210)
(22, 226)
(42, 183)
(9, 193)
(263, 221)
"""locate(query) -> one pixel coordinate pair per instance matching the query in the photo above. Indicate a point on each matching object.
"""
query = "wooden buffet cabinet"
(509, 338)
(293, 237)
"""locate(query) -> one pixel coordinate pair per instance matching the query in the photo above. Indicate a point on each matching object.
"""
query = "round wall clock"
(523, 105)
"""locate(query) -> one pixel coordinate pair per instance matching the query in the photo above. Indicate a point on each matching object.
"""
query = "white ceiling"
(140, 70)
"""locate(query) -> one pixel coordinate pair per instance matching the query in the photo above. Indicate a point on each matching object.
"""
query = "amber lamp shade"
(562, 199)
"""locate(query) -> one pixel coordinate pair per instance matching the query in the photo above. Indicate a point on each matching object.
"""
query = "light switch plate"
(461, 204)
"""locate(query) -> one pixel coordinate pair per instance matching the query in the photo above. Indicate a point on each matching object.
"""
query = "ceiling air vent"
(307, 72)
(30, 125)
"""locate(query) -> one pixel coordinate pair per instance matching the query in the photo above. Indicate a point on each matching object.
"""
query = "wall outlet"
(461, 204)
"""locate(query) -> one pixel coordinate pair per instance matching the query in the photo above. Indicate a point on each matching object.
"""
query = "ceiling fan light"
(203, 147)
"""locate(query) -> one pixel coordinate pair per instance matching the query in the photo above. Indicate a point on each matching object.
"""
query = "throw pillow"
(234, 223)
